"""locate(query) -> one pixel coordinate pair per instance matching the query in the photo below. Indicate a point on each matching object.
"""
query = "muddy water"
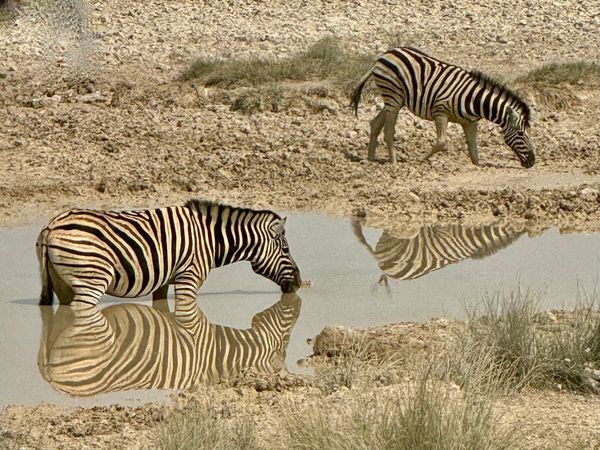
(360, 277)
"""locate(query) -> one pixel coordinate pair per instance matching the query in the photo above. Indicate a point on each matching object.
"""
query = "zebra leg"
(87, 290)
(159, 299)
(63, 290)
(376, 125)
(391, 115)
(470, 129)
(441, 145)
(186, 291)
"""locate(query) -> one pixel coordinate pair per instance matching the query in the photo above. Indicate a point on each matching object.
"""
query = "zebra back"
(435, 247)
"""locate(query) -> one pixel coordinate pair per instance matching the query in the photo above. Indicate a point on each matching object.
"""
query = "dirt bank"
(95, 115)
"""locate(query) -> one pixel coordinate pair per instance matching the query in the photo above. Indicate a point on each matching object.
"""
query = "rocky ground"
(93, 113)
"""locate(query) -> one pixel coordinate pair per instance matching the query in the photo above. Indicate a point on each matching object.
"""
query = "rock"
(589, 194)
(326, 105)
(499, 210)
(529, 214)
(565, 206)
(95, 97)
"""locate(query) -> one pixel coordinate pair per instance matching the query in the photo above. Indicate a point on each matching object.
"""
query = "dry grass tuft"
(425, 414)
(558, 73)
(203, 426)
(526, 347)
(9, 10)
(357, 366)
(324, 60)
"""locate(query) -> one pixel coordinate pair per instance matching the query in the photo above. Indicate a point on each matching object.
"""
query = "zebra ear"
(278, 226)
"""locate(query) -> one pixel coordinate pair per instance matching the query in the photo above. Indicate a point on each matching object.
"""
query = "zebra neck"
(492, 106)
(230, 252)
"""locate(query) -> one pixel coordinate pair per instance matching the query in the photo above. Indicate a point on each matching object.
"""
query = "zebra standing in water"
(88, 351)
(441, 92)
(435, 247)
(84, 254)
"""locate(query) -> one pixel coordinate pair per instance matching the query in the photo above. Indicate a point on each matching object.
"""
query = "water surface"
(360, 277)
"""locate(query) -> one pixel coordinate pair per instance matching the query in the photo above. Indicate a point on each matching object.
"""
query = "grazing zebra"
(88, 351)
(441, 92)
(434, 247)
(84, 254)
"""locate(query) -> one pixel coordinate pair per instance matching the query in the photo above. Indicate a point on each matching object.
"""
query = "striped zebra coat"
(88, 351)
(441, 92)
(84, 254)
(434, 247)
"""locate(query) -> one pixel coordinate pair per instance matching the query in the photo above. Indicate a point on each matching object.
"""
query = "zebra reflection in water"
(86, 351)
(433, 247)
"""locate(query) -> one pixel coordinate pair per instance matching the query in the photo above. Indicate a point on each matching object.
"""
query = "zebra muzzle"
(291, 285)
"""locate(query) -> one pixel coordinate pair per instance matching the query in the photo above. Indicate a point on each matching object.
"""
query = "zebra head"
(273, 259)
(516, 136)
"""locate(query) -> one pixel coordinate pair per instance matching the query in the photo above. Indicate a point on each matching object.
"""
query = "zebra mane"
(196, 204)
(502, 87)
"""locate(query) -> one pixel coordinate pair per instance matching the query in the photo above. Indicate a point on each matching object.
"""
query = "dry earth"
(92, 113)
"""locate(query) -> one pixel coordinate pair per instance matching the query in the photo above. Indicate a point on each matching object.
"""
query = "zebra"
(433, 247)
(84, 253)
(441, 92)
(88, 351)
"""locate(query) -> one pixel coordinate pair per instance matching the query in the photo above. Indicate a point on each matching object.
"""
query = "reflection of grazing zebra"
(87, 351)
(85, 253)
(441, 92)
(434, 247)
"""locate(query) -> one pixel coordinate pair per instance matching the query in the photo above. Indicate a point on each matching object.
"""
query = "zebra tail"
(46, 296)
(357, 229)
(358, 90)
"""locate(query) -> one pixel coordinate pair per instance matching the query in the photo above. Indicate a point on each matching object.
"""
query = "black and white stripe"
(88, 351)
(434, 247)
(441, 92)
(84, 254)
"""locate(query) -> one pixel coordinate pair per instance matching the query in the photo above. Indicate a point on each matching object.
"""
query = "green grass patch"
(558, 73)
(324, 60)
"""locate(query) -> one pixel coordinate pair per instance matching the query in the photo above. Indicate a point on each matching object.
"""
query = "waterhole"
(358, 277)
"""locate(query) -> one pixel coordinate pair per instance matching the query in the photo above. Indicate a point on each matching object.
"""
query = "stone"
(95, 97)
(590, 194)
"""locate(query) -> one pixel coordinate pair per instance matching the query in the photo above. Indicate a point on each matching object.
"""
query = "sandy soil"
(92, 113)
